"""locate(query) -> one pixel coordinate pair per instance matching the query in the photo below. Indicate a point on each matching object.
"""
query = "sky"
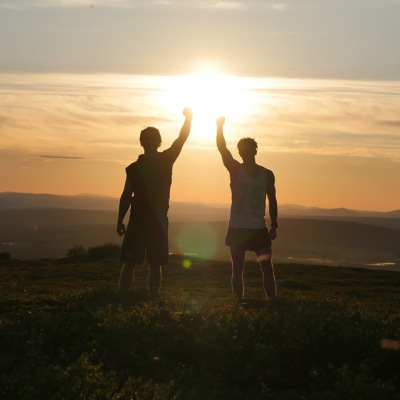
(315, 82)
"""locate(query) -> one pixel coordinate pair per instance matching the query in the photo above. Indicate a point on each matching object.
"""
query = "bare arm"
(178, 143)
(273, 206)
(124, 204)
(226, 155)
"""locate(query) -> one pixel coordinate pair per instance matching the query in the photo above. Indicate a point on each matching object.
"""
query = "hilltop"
(67, 333)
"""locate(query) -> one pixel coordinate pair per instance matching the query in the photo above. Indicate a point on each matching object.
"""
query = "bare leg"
(269, 282)
(154, 278)
(126, 276)
(238, 261)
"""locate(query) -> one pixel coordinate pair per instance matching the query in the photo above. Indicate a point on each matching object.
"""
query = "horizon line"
(217, 205)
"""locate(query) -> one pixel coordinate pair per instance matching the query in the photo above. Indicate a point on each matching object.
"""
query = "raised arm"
(178, 143)
(226, 155)
(124, 204)
(273, 205)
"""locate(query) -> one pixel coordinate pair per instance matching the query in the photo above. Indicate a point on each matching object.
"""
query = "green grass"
(67, 333)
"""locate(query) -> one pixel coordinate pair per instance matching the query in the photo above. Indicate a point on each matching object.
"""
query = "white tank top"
(248, 199)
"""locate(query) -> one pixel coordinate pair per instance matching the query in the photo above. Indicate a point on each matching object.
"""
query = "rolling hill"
(50, 233)
(47, 226)
(178, 210)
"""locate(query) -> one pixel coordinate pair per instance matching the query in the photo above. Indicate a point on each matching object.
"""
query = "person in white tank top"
(251, 184)
(248, 198)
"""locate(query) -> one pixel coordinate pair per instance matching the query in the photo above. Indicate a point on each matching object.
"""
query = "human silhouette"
(146, 193)
(251, 184)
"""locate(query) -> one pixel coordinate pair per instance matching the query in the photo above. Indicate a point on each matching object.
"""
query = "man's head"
(150, 138)
(247, 147)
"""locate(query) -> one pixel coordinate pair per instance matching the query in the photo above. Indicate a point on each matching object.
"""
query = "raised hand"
(187, 112)
(220, 121)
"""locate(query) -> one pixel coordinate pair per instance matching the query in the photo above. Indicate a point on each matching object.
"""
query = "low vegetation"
(67, 333)
(4, 255)
(32, 234)
(101, 252)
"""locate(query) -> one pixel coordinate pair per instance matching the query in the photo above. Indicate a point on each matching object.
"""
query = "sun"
(211, 93)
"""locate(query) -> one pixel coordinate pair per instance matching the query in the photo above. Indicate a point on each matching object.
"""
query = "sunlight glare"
(210, 94)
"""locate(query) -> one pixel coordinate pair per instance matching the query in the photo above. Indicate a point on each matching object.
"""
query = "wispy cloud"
(57, 157)
(227, 5)
(279, 6)
(100, 117)
(95, 117)
(209, 4)
(216, 4)
(301, 33)
(390, 123)
(85, 128)
(329, 117)
(18, 4)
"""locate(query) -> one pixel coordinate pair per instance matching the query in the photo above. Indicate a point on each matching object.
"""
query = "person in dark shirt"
(146, 193)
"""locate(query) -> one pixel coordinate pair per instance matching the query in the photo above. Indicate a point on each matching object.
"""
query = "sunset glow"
(210, 94)
(86, 128)
(79, 81)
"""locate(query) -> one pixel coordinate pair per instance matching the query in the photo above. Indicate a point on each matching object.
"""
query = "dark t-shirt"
(150, 177)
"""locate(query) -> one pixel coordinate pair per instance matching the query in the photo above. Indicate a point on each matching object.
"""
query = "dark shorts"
(146, 237)
(248, 239)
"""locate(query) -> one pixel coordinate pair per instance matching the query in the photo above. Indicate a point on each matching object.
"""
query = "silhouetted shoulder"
(270, 181)
(271, 174)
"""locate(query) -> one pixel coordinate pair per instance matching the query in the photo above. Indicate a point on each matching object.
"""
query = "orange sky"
(79, 80)
(330, 143)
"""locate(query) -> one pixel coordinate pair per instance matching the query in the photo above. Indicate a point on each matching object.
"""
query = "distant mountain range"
(12, 201)
(50, 233)
(178, 210)
(45, 225)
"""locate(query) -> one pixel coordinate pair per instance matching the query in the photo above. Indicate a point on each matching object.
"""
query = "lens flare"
(198, 238)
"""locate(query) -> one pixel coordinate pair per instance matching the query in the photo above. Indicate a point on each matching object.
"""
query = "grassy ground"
(67, 333)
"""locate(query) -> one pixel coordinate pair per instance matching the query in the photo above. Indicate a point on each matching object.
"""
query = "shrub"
(5, 256)
(77, 251)
(108, 250)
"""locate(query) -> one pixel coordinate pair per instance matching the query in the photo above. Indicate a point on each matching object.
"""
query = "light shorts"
(248, 239)
(146, 237)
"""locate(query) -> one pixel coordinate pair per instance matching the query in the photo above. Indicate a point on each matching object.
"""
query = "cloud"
(213, 4)
(226, 5)
(54, 157)
(95, 117)
(99, 117)
(301, 33)
(279, 6)
(20, 4)
(385, 2)
(206, 4)
(395, 123)
(328, 117)
(85, 128)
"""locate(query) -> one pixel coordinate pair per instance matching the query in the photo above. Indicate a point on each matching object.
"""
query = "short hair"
(247, 141)
(150, 135)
